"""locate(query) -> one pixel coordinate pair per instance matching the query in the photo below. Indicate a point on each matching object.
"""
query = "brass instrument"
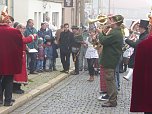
(102, 19)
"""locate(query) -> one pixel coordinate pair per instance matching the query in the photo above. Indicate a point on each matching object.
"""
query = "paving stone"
(75, 95)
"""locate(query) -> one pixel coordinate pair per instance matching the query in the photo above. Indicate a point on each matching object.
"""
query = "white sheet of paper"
(33, 51)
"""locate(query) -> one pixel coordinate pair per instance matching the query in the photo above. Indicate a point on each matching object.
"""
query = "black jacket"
(65, 41)
(134, 45)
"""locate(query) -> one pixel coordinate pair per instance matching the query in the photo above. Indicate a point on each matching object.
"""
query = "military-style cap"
(118, 18)
(144, 24)
(74, 27)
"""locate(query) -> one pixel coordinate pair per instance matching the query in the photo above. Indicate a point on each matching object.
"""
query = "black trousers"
(148, 113)
(65, 60)
(76, 61)
(91, 63)
(16, 86)
(6, 87)
(54, 63)
(32, 61)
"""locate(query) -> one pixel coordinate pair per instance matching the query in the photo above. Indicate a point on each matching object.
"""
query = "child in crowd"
(48, 55)
(40, 56)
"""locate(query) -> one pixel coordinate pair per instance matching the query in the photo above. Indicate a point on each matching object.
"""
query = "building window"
(45, 15)
(2, 4)
(55, 18)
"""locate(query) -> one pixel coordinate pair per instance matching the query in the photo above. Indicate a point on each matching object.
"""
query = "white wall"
(33, 9)
(20, 11)
(56, 7)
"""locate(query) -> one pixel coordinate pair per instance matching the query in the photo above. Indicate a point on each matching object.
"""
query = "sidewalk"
(38, 84)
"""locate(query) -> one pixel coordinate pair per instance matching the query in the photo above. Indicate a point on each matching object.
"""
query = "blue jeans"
(117, 76)
(49, 63)
(82, 60)
(39, 64)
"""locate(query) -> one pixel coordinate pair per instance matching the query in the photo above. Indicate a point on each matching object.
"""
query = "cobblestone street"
(75, 95)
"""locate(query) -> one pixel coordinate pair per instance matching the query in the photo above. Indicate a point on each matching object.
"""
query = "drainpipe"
(12, 8)
(6, 2)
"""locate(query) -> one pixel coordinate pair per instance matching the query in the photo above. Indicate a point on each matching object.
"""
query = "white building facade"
(38, 11)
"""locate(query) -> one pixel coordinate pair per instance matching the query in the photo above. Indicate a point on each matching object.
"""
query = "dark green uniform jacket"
(77, 41)
(112, 48)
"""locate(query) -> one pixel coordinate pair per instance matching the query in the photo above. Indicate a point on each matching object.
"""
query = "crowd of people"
(108, 51)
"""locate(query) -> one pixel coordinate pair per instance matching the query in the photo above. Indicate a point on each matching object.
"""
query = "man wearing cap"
(112, 50)
(76, 45)
(143, 29)
(10, 58)
(141, 100)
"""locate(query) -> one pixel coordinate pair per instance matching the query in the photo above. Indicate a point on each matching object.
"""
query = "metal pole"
(76, 11)
(109, 7)
(82, 7)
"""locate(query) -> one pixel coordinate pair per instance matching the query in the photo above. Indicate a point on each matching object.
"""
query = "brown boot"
(91, 79)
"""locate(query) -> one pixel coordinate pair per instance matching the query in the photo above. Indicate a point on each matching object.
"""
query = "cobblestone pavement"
(41, 78)
(75, 95)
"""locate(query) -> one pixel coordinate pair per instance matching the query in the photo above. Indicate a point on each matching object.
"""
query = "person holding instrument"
(112, 42)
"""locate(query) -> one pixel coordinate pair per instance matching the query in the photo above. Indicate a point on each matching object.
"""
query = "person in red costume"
(11, 51)
(141, 100)
(22, 78)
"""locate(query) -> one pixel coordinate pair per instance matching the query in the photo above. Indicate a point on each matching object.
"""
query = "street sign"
(68, 3)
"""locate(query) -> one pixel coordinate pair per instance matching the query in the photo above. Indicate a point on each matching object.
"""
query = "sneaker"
(33, 72)
(1, 102)
(62, 71)
(8, 103)
(85, 69)
(54, 69)
(67, 71)
(103, 92)
(103, 97)
(18, 91)
(125, 78)
(108, 104)
(74, 73)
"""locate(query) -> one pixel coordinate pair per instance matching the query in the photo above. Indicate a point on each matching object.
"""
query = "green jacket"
(112, 48)
(77, 41)
(29, 31)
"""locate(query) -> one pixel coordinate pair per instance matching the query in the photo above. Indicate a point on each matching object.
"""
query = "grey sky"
(130, 9)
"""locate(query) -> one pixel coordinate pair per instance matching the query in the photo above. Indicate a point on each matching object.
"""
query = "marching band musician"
(76, 45)
(143, 29)
(141, 100)
(112, 50)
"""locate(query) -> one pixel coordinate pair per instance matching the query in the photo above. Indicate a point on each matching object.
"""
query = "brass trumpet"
(100, 18)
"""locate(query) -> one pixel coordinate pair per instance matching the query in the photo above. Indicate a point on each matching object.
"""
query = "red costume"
(103, 87)
(22, 77)
(11, 50)
(141, 100)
